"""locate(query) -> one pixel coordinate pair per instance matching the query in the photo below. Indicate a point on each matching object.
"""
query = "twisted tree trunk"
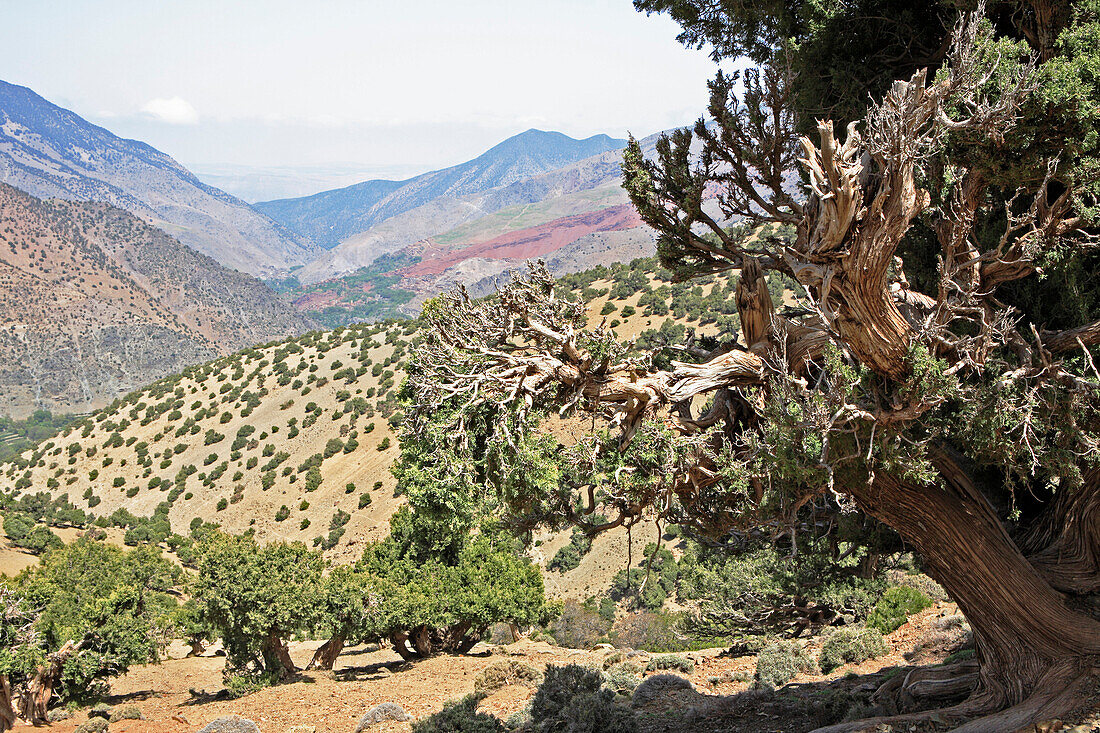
(277, 657)
(34, 699)
(326, 655)
(1037, 655)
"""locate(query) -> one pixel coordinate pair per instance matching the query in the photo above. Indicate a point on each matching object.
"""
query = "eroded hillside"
(96, 303)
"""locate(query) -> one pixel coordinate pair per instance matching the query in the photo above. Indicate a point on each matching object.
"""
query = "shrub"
(780, 661)
(92, 725)
(671, 661)
(130, 712)
(382, 711)
(579, 626)
(571, 699)
(851, 646)
(505, 672)
(653, 632)
(623, 677)
(895, 606)
(460, 717)
(656, 686)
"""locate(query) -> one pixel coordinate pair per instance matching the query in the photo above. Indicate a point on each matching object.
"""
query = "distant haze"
(262, 183)
(254, 92)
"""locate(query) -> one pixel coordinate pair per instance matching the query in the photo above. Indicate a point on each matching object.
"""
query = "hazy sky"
(351, 82)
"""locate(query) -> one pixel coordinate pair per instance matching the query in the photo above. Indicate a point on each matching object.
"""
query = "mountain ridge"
(52, 152)
(96, 302)
(330, 217)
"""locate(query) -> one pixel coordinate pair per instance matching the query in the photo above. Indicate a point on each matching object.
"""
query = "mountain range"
(51, 152)
(331, 216)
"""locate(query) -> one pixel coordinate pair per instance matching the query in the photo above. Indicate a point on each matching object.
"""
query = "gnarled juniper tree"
(942, 379)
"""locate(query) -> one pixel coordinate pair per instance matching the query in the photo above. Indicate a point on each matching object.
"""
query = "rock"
(383, 711)
(130, 712)
(57, 715)
(230, 724)
(606, 647)
(92, 725)
(102, 710)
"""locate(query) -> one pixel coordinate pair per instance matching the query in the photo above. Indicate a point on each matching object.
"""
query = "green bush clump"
(460, 717)
(851, 646)
(671, 661)
(780, 661)
(623, 677)
(572, 699)
(895, 606)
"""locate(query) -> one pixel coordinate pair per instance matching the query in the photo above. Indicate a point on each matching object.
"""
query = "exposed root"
(1059, 696)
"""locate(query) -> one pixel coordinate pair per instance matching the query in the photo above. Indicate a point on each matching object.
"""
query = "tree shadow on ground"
(793, 708)
(136, 696)
(376, 671)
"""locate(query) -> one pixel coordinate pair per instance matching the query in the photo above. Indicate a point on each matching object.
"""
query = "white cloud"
(174, 111)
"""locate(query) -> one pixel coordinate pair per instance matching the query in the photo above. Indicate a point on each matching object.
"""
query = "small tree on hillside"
(349, 612)
(87, 612)
(256, 597)
(434, 602)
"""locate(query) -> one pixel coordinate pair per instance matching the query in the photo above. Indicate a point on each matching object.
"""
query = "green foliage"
(114, 605)
(485, 582)
(671, 661)
(780, 661)
(895, 606)
(651, 582)
(850, 646)
(256, 596)
(460, 717)
(572, 699)
(569, 556)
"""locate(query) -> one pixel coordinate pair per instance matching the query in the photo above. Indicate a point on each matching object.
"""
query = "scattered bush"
(381, 712)
(230, 724)
(851, 646)
(655, 632)
(579, 626)
(895, 606)
(780, 661)
(671, 661)
(622, 678)
(92, 725)
(505, 672)
(130, 712)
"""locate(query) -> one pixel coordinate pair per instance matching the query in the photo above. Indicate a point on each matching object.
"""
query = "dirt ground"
(180, 694)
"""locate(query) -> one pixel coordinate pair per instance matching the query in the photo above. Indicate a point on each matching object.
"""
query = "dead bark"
(326, 655)
(7, 711)
(35, 698)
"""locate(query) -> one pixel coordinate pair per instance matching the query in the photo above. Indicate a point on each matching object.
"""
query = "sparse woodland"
(882, 354)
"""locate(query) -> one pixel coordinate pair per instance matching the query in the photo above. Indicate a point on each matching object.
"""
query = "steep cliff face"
(95, 302)
(51, 152)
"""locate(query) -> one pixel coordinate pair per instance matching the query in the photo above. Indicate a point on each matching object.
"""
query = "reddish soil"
(530, 242)
(180, 695)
